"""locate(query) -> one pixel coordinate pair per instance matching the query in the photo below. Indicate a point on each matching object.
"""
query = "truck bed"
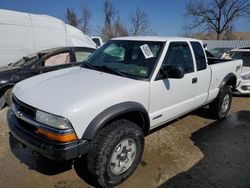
(214, 60)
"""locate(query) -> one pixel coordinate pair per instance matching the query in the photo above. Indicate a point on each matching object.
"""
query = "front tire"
(115, 153)
(222, 104)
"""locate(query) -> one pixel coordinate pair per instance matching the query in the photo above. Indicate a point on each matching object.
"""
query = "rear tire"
(221, 105)
(115, 153)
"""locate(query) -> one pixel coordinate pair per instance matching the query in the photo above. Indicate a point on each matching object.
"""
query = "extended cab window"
(199, 56)
(179, 53)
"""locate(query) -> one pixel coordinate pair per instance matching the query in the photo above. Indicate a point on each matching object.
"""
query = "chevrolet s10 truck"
(104, 109)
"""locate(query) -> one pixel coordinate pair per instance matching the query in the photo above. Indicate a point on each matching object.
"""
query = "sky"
(166, 18)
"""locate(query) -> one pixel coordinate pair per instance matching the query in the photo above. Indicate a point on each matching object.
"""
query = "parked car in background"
(98, 41)
(41, 62)
(209, 54)
(219, 52)
(244, 54)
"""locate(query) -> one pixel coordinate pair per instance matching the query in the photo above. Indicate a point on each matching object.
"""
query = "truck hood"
(77, 91)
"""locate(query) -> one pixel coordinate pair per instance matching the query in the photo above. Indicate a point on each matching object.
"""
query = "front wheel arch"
(131, 111)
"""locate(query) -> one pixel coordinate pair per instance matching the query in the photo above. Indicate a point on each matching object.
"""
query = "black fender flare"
(230, 79)
(5, 87)
(113, 112)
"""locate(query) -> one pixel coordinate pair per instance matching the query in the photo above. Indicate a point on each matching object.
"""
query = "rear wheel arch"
(229, 80)
(132, 111)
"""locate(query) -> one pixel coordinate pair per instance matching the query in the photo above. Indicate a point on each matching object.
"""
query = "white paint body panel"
(170, 98)
(219, 71)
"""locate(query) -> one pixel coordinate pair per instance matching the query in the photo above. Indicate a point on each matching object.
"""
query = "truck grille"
(27, 111)
(24, 108)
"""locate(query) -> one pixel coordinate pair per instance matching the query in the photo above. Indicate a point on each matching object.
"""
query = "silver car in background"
(244, 54)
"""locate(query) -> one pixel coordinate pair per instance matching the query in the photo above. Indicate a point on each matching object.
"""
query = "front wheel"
(221, 105)
(115, 153)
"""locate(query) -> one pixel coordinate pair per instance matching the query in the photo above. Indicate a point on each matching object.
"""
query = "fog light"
(245, 88)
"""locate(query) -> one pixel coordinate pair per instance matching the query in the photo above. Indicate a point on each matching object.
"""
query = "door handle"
(194, 80)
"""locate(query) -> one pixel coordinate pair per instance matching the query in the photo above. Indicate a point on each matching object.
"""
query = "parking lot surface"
(194, 151)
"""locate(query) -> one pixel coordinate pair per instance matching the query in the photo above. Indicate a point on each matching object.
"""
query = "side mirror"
(173, 71)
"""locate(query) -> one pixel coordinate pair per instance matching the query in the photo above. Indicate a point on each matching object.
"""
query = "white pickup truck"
(103, 110)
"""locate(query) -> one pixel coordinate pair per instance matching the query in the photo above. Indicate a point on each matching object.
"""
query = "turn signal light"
(68, 137)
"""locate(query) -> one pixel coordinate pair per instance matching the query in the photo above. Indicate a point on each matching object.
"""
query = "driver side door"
(170, 98)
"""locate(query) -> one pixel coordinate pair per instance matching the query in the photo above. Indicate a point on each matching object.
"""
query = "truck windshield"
(134, 59)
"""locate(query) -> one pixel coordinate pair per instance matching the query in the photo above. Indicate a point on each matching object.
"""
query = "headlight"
(52, 120)
(245, 77)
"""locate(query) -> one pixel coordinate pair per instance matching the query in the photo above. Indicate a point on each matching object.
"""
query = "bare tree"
(216, 15)
(71, 18)
(138, 23)
(112, 23)
(109, 14)
(85, 19)
(119, 29)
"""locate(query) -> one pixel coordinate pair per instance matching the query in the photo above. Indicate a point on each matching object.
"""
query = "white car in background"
(244, 54)
(98, 41)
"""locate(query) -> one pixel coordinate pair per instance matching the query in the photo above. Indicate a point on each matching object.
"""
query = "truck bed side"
(219, 72)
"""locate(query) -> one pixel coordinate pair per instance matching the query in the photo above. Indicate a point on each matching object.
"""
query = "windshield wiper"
(110, 70)
(103, 68)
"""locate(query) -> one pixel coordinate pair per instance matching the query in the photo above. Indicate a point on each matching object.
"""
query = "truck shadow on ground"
(226, 149)
(37, 162)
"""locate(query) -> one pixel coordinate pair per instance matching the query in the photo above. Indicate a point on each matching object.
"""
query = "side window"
(246, 59)
(179, 53)
(57, 59)
(199, 56)
(82, 56)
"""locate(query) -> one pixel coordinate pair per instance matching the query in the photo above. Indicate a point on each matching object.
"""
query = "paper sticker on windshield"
(146, 51)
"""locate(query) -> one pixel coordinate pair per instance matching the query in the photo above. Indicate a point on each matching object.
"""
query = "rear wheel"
(221, 105)
(115, 153)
